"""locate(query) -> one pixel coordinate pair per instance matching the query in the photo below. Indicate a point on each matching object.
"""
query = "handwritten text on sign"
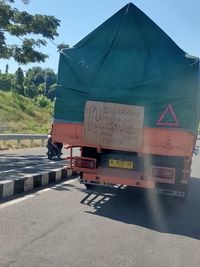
(112, 125)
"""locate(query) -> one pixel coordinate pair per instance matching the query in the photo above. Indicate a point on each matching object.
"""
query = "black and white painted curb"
(9, 188)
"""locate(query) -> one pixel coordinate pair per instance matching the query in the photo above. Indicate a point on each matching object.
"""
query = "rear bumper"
(90, 178)
(111, 176)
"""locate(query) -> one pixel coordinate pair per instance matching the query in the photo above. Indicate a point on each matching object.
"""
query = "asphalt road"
(67, 225)
(70, 226)
(20, 162)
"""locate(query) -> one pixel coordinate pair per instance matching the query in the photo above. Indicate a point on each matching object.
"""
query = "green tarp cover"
(129, 60)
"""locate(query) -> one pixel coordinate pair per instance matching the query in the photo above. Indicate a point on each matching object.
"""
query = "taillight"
(163, 172)
(82, 162)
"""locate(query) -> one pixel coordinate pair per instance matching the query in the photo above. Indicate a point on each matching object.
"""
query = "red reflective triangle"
(170, 110)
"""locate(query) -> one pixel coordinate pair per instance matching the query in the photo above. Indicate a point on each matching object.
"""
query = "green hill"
(19, 114)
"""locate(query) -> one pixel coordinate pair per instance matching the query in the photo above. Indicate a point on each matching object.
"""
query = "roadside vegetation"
(27, 95)
(19, 114)
(26, 101)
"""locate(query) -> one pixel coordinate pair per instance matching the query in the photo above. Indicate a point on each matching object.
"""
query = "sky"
(180, 19)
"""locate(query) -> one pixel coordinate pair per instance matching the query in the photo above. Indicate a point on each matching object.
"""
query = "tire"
(89, 186)
(49, 155)
(58, 156)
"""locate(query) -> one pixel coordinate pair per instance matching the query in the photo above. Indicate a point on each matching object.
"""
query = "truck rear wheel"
(89, 186)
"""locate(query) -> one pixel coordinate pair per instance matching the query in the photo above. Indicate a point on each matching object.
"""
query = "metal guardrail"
(20, 137)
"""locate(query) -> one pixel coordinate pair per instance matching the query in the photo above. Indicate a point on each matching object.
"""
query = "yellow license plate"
(125, 164)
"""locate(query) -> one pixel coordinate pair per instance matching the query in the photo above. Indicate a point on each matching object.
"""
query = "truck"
(128, 96)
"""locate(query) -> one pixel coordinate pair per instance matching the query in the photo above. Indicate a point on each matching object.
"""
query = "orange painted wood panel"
(167, 142)
(158, 141)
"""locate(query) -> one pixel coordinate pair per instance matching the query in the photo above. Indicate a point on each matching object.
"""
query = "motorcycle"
(54, 149)
(196, 150)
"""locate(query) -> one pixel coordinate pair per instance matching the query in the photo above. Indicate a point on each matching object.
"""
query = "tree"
(41, 89)
(6, 81)
(19, 81)
(35, 75)
(30, 90)
(7, 68)
(52, 91)
(21, 24)
(50, 78)
(42, 78)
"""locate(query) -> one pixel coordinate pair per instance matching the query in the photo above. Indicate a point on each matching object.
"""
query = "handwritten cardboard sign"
(115, 126)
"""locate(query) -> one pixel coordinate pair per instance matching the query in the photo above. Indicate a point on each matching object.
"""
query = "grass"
(19, 114)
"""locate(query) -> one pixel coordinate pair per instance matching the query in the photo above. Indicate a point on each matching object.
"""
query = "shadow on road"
(17, 166)
(146, 209)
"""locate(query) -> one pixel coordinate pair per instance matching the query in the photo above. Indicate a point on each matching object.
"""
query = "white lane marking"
(40, 192)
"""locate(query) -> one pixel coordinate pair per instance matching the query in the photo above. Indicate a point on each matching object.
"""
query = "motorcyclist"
(53, 147)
